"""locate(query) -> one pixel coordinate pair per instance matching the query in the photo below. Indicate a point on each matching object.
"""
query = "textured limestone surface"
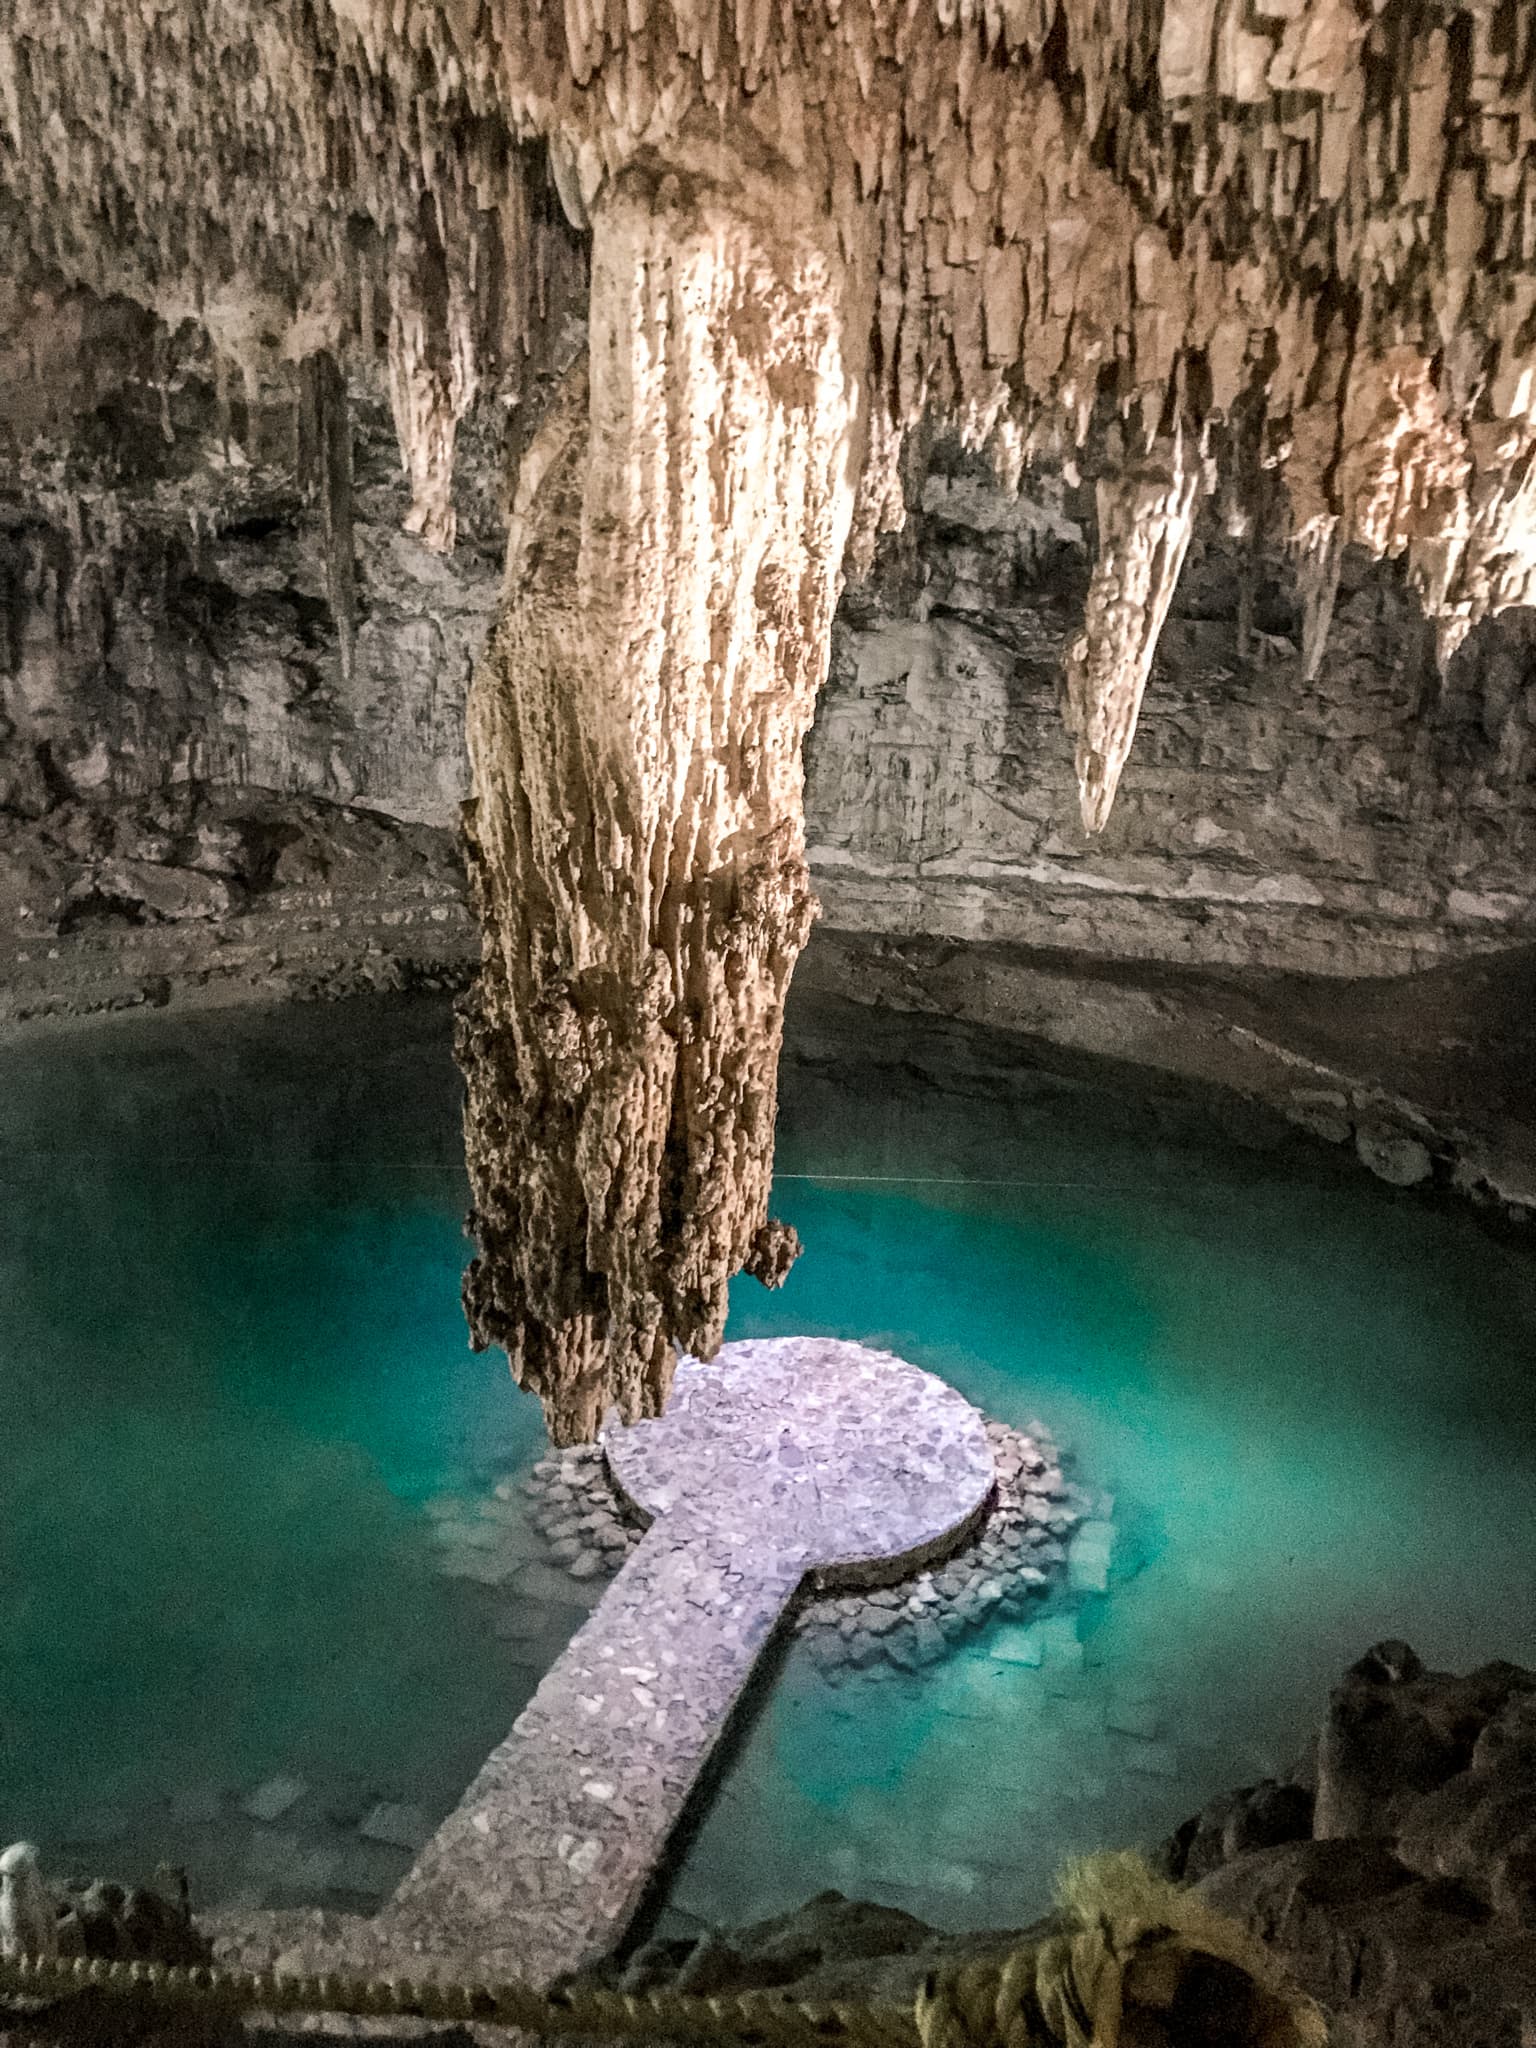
(635, 840)
(194, 787)
(1300, 233)
(1404, 1896)
(168, 617)
(780, 1458)
(1373, 818)
(1377, 819)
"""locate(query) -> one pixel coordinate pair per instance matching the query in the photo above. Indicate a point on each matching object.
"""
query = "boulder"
(1395, 1731)
(399, 1825)
(928, 1640)
(1324, 1112)
(1400, 1161)
(823, 1939)
(145, 893)
(1260, 1816)
(1396, 1961)
(1411, 1912)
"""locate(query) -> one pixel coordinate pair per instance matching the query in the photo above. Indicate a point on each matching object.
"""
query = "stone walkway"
(779, 1460)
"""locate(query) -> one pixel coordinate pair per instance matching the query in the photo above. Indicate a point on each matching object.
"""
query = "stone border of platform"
(1038, 1533)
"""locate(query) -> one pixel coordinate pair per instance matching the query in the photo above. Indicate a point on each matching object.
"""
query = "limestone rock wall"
(223, 630)
(215, 662)
(199, 646)
(181, 738)
(1372, 819)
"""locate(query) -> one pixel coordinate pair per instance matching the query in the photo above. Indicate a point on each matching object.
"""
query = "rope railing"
(748, 2017)
(1130, 1959)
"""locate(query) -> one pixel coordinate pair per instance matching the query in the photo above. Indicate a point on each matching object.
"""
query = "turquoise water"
(1310, 1396)
(234, 1371)
(235, 1377)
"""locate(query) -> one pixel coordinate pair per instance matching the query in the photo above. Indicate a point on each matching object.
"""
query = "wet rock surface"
(196, 790)
(197, 801)
(175, 698)
(1405, 1899)
(211, 895)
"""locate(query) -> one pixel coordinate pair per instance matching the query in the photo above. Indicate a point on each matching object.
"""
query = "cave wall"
(145, 651)
(163, 669)
(181, 740)
(1375, 819)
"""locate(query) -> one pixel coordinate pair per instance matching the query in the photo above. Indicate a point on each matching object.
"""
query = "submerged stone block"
(298, 1863)
(484, 1568)
(1153, 1760)
(272, 1800)
(1134, 1716)
(1088, 1557)
(197, 1804)
(1060, 1640)
(402, 1826)
(457, 1534)
(1014, 1645)
(369, 1867)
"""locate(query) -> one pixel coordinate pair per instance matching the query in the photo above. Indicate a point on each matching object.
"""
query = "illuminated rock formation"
(1146, 516)
(1218, 243)
(636, 837)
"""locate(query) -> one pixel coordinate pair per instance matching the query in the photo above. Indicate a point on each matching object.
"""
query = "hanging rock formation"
(1146, 517)
(636, 836)
(1280, 249)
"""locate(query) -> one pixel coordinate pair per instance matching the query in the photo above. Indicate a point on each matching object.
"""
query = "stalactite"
(324, 463)
(636, 837)
(1146, 516)
(335, 423)
(430, 384)
(1290, 157)
(1318, 563)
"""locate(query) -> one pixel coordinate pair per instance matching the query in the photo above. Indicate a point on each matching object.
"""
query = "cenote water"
(237, 1390)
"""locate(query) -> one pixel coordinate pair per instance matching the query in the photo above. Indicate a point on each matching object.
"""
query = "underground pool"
(270, 1589)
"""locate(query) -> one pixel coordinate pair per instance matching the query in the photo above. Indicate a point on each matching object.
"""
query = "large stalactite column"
(636, 833)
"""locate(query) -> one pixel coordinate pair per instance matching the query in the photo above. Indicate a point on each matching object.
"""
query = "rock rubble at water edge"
(1042, 1532)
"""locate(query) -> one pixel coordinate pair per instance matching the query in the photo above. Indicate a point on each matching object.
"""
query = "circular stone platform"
(815, 1449)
